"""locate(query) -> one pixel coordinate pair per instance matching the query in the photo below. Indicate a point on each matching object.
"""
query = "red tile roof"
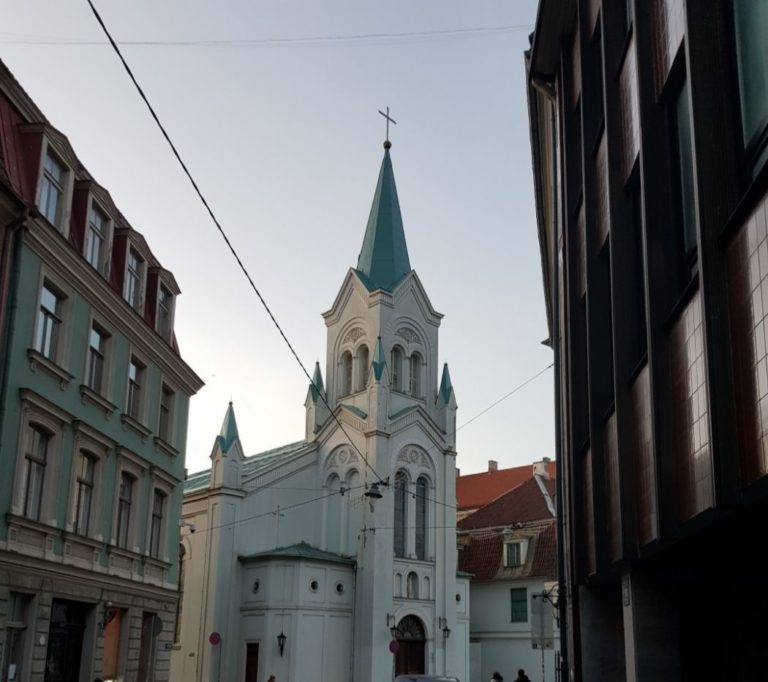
(523, 504)
(482, 555)
(477, 490)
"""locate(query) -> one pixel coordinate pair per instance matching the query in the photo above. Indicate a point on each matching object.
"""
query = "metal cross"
(388, 120)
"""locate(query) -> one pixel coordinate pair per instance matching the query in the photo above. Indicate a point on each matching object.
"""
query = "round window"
(339, 588)
(314, 585)
(458, 598)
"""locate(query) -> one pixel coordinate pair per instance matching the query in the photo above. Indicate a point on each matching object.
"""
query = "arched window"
(398, 585)
(415, 375)
(354, 512)
(362, 367)
(346, 373)
(427, 588)
(333, 515)
(422, 491)
(412, 586)
(397, 368)
(401, 512)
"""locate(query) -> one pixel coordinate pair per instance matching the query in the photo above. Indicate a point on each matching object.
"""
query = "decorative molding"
(37, 359)
(165, 447)
(88, 395)
(409, 335)
(138, 428)
(414, 455)
(353, 335)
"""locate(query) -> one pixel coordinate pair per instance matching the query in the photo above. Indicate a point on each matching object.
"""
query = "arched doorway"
(411, 639)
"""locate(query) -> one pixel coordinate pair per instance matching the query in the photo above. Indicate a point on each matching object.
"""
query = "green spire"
(383, 259)
(228, 433)
(446, 387)
(379, 360)
(316, 387)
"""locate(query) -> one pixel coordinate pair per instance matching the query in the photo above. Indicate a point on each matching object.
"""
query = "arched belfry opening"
(411, 651)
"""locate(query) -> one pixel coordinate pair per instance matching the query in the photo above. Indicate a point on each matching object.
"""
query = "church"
(334, 558)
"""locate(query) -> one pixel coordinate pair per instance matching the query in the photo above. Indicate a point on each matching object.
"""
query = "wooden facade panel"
(575, 84)
(593, 11)
(581, 253)
(669, 29)
(643, 459)
(628, 102)
(689, 387)
(748, 302)
(600, 168)
(612, 487)
(588, 515)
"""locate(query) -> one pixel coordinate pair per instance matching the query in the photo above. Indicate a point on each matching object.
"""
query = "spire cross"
(389, 119)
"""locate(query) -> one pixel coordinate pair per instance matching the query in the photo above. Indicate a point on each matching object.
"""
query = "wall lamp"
(281, 641)
(391, 625)
(443, 625)
(108, 616)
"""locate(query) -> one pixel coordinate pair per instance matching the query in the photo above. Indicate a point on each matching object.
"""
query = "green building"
(94, 400)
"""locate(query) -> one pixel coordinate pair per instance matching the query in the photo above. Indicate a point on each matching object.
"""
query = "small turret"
(227, 454)
(446, 405)
(317, 412)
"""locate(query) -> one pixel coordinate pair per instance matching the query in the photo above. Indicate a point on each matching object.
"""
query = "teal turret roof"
(446, 387)
(316, 387)
(228, 433)
(379, 360)
(383, 259)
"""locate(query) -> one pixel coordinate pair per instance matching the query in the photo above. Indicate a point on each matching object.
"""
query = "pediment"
(412, 286)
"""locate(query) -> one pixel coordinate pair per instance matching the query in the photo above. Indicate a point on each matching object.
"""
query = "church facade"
(334, 558)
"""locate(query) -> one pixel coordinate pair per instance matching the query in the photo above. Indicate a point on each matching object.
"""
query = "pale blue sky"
(285, 141)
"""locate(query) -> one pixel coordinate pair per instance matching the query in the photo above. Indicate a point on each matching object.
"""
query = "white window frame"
(164, 486)
(512, 547)
(136, 467)
(61, 345)
(104, 384)
(134, 296)
(37, 411)
(64, 187)
(136, 414)
(98, 446)
(167, 434)
(165, 333)
(102, 266)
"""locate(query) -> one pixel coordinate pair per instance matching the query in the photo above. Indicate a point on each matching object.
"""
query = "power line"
(407, 36)
(224, 236)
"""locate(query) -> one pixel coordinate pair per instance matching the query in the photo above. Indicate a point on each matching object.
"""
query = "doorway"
(411, 641)
(65, 641)
(251, 662)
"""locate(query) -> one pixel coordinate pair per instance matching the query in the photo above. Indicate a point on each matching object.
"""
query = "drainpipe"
(14, 242)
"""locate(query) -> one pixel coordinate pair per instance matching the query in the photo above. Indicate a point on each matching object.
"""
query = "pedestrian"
(271, 678)
(496, 677)
(522, 677)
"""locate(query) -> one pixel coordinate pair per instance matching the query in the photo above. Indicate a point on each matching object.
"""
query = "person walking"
(496, 677)
(522, 677)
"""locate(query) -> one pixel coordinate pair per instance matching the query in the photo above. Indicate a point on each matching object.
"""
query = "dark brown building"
(649, 131)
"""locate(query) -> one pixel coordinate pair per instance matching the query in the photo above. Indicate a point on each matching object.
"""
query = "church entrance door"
(410, 653)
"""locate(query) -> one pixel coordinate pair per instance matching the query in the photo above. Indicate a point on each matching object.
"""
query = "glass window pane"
(751, 23)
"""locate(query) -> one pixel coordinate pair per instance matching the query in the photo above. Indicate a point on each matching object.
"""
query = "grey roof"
(252, 465)
(300, 551)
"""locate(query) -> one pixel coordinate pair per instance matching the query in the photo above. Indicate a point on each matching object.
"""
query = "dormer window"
(133, 277)
(164, 304)
(514, 553)
(98, 224)
(52, 188)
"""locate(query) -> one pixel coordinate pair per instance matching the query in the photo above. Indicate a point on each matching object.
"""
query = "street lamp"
(281, 641)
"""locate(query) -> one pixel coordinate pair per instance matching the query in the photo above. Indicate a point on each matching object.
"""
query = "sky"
(279, 124)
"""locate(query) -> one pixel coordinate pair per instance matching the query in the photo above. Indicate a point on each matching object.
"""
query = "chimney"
(541, 468)
(493, 465)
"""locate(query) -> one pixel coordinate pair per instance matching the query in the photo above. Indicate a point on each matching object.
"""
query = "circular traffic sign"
(214, 638)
